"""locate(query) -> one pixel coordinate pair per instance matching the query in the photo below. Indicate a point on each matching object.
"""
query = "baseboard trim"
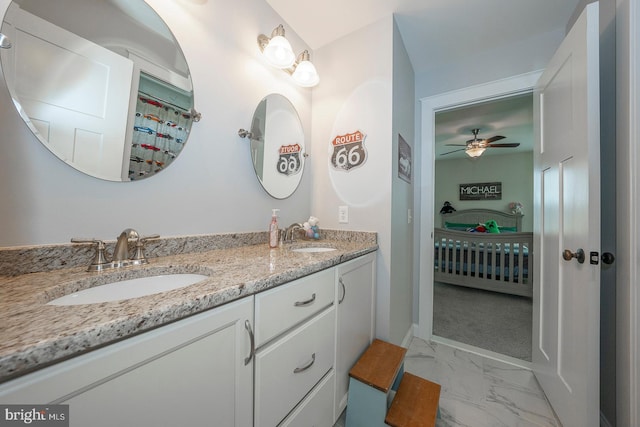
(408, 336)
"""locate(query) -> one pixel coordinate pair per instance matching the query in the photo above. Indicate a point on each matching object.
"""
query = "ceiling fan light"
(475, 151)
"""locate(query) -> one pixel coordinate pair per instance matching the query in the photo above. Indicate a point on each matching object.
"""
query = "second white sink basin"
(131, 288)
(313, 249)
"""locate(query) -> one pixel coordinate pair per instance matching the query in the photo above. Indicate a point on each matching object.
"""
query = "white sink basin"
(313, 249)
(131, 288)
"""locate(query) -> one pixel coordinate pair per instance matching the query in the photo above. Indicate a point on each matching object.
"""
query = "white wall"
(402, 205)
(210, 188)
(356, 94)
(368, 85)
(514, 171)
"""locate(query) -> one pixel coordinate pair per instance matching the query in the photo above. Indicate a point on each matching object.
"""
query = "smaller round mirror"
(277, 146)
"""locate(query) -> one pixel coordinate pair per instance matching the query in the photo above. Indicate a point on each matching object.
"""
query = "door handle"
(608, 258)
(252, 351)
(344, 290)
(305, 303)
(307, 366)
(579, 255)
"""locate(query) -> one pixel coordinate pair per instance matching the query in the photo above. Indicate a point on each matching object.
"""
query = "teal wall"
(514, 171)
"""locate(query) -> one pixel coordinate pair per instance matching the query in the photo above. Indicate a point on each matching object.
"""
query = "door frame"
(430, 105)
(628, 212)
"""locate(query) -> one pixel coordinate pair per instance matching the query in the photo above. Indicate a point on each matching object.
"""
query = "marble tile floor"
(479, 390)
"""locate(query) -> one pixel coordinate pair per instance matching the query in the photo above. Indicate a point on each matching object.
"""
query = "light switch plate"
(343, 214)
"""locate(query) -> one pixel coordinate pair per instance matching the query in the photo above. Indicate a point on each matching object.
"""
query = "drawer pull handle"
(305, 303)
(247, 359)
(344, 291)
(307, 366)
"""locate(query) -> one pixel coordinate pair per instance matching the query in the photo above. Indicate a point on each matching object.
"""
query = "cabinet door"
(189, 373)
(355, 319)
(202, 382)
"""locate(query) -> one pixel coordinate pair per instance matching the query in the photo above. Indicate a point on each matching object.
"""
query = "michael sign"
(481, 191)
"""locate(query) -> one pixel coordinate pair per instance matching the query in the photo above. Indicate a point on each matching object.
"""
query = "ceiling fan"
(475, 147)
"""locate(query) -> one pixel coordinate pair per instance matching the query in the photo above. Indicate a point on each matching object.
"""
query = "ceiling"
(509, 117)
(438, 32)
(433, 31)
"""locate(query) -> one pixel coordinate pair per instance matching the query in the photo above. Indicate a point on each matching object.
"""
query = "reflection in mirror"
(110, 96)
(277, 146)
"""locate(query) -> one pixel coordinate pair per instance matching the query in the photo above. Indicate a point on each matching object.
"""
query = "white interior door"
(79, 106)
(567, 204)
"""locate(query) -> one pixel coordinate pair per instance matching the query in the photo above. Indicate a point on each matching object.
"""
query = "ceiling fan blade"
(507, 145)
(494, 138)
(454, 151)
(456, 145)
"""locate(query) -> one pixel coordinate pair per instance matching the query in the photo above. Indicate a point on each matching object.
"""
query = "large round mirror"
(103, 84)
(277, 146)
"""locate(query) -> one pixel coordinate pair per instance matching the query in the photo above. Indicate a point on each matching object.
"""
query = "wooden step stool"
(378, 383)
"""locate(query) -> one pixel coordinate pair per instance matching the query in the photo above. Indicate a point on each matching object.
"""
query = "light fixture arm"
(304, 56)
(263, 40)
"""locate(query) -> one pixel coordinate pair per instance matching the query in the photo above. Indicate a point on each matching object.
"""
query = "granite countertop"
(34, 334)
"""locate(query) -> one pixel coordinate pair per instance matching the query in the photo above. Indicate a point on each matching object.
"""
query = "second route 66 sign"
(289, 160)
(348, 151)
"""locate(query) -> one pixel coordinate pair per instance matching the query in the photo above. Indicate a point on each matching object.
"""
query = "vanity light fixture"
(277, 51)
(305, 73)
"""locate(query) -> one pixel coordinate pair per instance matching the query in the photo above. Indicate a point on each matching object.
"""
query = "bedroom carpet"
(493, 321)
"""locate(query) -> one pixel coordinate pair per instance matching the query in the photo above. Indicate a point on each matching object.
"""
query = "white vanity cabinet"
(207, 370)
(355, 329)
(188, 373)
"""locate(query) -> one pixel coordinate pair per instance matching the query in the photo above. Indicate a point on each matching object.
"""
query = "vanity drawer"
(287, 369)
(282, 308)
(316, 410)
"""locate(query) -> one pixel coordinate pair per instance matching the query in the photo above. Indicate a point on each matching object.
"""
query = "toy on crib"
(480, 228)
(447, 208)
(311, 229)
(490, 226)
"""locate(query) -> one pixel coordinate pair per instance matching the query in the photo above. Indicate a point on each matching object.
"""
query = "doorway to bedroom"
(484, 167)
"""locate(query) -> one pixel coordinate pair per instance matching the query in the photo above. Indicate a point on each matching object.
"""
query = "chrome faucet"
(121, 254)
(289, 235)
(121, 251)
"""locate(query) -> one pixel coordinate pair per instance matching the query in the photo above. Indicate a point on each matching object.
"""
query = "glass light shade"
(306, 74)
(475, 152)
(279, 53)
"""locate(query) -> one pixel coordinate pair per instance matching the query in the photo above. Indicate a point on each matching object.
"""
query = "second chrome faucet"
(121, 252)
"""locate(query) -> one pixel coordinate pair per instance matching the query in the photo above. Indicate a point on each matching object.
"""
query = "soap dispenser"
(273, 229)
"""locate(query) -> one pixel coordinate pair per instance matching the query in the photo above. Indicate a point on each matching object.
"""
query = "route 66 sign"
(289, 160)
(348, 151)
